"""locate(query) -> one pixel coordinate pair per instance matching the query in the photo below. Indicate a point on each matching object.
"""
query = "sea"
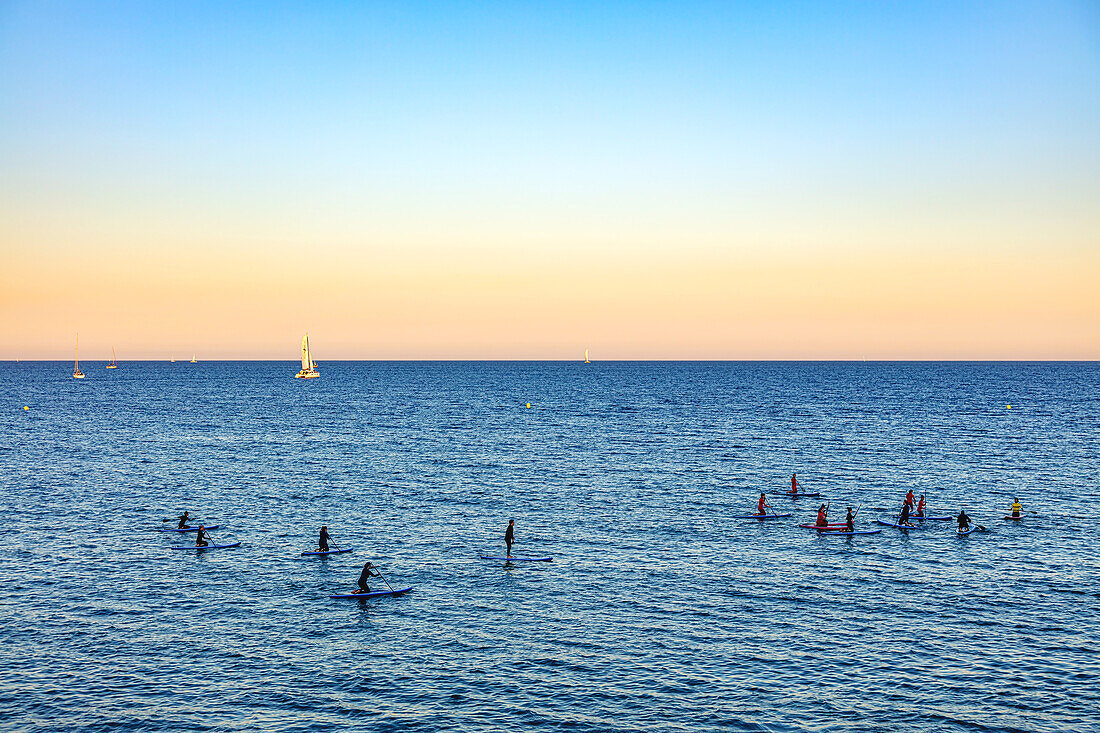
(662, 609)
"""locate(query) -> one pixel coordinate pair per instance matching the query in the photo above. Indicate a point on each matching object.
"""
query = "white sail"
(309, 366)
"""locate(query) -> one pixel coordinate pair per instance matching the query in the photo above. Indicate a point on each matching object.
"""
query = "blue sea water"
(660, 611)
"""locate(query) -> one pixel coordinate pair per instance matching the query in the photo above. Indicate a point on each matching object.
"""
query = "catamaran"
(77, 374)
(309, 367)
(193, 359)
(586, 361)
(114, 360)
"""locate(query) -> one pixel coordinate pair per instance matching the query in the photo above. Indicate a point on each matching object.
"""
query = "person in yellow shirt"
(1016, 507)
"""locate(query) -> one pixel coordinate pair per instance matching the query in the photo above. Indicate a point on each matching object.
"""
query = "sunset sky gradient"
(659, 180)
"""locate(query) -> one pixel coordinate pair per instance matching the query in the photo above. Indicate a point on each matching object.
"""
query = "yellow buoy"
(1010, 407)
(25, 407)
(528, 405)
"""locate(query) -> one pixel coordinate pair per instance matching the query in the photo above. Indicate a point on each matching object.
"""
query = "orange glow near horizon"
(431, 304)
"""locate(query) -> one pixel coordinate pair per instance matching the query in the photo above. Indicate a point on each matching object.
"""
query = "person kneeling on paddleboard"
(920, 506)
(903, 518)
(200, 538)
(1016, 507)
(822, 516)
(850, 521)
(322, 541)
(509, 537)
(363, 576)
(184, 519)
(964, 521)
(761, 504)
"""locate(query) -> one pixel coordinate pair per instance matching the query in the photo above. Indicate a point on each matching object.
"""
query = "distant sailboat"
(114, 360)
(309, 367)
(586, 361)
(77, 374)
(193, 359)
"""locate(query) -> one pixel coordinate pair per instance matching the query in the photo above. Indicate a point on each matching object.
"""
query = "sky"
(515, 180)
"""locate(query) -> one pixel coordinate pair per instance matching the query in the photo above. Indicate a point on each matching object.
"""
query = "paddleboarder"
(1016, 507)
(200, 538)
(903, 518)
(794, 484)
(322, 541)
(761, 504)
(964, 521)
(822, 516)
(368, 572)
(509, 537)
(184, 519)
(909, 498)
(849, 521)
(920, 506)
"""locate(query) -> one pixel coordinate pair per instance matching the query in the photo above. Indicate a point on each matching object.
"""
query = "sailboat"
(77, 374)
(309, 367)
(586, 361)
(114, 360)
(193, 359)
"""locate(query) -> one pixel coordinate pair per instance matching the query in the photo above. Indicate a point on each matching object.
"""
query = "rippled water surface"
(660, 612)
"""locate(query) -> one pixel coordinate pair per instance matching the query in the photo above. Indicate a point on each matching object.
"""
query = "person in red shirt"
(794, 483)
(909, 498)
(920, 506)
(761, 504)
(822, 516)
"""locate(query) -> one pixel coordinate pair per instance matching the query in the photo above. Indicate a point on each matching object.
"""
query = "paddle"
(385, 581)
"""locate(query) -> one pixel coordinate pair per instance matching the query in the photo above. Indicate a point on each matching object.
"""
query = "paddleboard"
(373, 594)
(826, 526)
(191, 529)
(800, 495)
(965, 532)
(761, 516)
(849, 534)
(1014, 519)
(208, 547)
(316, 553)
(884, 523)
(518, 559)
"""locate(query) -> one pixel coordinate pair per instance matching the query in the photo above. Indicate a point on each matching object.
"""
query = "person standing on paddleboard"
(1016, 507)
(964, 521)
(794, 483)
(909, 499)
(822, 516)
(368, 572)
(322, 541)
(920, 506)
(850, 521)
(200, 538)
(509, 537)
(760, 505)
(184, 519)
(903, 518)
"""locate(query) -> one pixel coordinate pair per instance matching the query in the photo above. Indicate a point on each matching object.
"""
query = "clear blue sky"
(605, 128)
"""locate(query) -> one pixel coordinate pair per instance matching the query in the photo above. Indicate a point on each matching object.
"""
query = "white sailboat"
(114, 360)
(77, 374)
(309, 367)
(586, 361)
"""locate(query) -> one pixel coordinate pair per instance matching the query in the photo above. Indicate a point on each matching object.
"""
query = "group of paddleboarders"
(823, 519)
(200, 537)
